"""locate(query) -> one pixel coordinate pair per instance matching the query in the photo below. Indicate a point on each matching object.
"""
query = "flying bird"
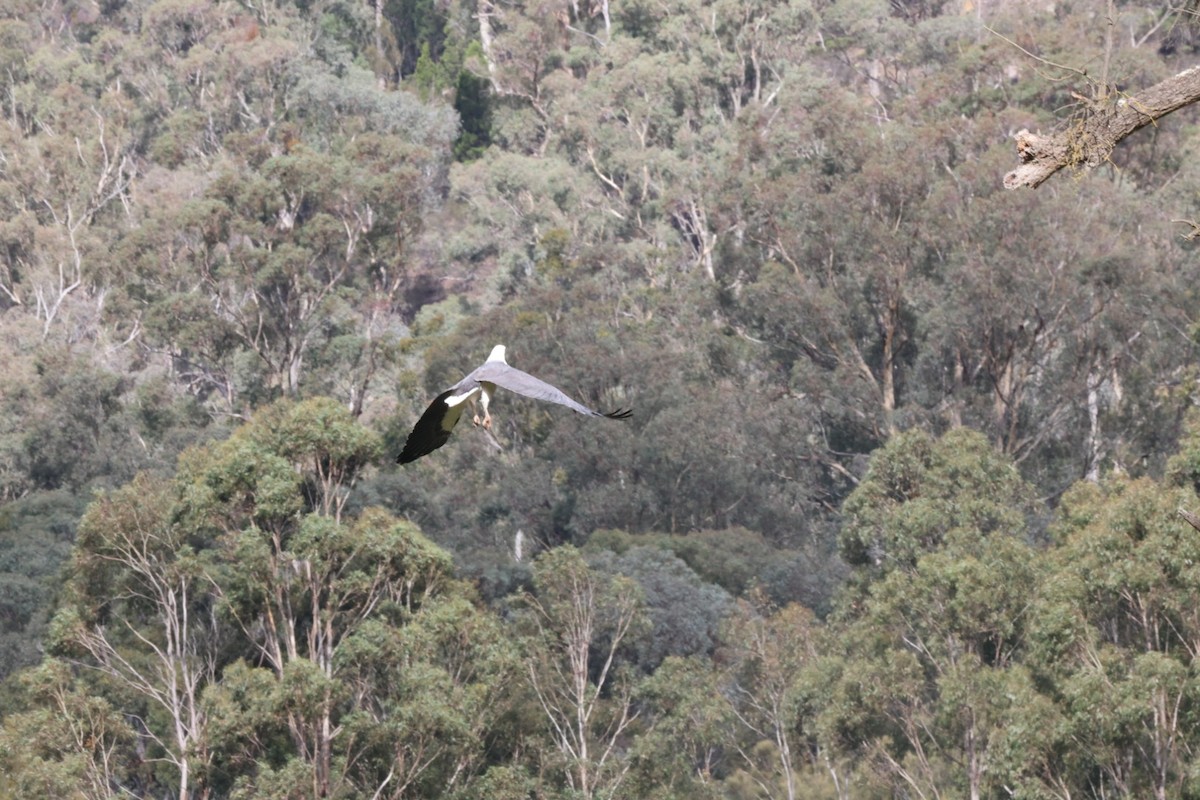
(434, 427)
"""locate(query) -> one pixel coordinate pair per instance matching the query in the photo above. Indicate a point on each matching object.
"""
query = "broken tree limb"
(1089, 140)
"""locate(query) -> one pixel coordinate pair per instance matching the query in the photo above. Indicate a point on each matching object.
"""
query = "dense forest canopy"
(895, 515)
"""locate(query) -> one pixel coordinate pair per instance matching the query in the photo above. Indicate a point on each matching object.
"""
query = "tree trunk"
(484, 15)
(1095, 437)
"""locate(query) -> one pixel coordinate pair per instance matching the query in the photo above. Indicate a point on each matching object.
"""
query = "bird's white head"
(497, 354)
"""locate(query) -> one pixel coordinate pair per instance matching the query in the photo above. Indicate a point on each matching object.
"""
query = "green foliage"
(576, 626)
(931, 670)
(244, 613)
(684, 612)
(681, 754)
(919, 493)
(1113, 628)
(68, 744)
(35, 539)
(473, 104)
(738, 560)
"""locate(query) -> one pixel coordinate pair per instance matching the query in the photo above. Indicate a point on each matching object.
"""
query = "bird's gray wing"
(523, 383)
(432, 429)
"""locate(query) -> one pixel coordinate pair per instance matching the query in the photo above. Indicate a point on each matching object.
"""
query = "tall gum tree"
(1116, 636)
(577, 622)
(142, 615)
(926, 661)
(261, 634)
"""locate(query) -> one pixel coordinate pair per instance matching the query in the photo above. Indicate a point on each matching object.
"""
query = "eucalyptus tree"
(295, 252)
(576, 623)
(68, 742)
(186, 194)
(768, 650)
(924, 669)
(69, 148)
(1114, 635)
(919, 492)
(683, 751)
(879, 273)
(923, 686)
(141, 613)
(262, 631)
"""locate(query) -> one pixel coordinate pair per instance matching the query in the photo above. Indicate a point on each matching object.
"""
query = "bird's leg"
(485, 398)
(486, 419)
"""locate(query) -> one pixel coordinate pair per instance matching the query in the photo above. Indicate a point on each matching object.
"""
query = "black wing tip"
(419, 444)
(620, 413)
(411, 454)
(428, 434)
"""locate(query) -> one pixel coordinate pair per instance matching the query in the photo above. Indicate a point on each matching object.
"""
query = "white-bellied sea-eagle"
(434, 427)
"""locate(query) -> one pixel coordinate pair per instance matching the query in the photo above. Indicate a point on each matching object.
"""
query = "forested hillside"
(895, 515)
